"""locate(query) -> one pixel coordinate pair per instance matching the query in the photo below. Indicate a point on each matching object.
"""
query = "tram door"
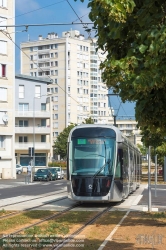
(125, 170)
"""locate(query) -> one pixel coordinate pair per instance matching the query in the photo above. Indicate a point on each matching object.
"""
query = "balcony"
(44, 52)
(93, 57)
(30, 130)
(38, 146)
(94, 65)
(31, 114)
(93, 74)
(44, 59)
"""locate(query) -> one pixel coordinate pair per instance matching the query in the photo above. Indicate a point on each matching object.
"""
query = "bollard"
(27, 179)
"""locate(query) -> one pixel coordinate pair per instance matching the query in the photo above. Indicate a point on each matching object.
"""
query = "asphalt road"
(14, 188)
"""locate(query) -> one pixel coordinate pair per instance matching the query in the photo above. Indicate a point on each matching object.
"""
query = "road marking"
(109, 238)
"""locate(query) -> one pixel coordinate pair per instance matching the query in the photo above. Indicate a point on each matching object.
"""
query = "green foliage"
(60, 145)
(142, 149)
(151, 139)
(57, 164)
(133, 35)
(88, 121)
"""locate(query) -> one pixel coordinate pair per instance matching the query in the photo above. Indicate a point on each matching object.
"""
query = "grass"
(22, 219)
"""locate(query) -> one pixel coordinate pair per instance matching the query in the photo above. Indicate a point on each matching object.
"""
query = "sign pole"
(155, 175)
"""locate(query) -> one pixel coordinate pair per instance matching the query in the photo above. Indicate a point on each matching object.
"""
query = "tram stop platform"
(139, 200)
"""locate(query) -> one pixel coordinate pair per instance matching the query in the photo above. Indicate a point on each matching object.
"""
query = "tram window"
(118, 169)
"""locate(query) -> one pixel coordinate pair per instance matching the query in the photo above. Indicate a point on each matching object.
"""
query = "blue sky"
(56, 11)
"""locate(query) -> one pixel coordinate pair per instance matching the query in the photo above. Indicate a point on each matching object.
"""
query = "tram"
(102, 164)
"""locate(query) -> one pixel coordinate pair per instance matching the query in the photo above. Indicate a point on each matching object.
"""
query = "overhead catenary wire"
(51, 80)
(43, 24)
(35, 10)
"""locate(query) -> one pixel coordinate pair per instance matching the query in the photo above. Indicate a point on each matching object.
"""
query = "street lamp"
(35, 97)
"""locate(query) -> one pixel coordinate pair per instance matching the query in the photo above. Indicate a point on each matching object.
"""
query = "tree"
(133, 35)
(151, 139)
(60, 145)
(88, 121)
(142, 149)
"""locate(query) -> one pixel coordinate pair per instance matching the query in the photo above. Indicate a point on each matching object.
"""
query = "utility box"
(6, 173)
(24, 169)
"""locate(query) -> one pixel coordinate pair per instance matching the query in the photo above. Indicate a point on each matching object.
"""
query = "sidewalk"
(21, 180)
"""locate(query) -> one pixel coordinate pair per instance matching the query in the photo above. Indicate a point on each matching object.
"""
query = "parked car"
(60, 172)
(54, 173)
(19, 169)
(42, 174)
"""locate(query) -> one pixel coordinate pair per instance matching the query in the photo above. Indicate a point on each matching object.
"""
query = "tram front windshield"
(92, 156)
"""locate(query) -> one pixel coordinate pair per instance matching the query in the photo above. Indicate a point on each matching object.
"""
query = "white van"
(60, 172)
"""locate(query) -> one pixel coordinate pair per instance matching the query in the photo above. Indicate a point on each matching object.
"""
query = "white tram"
(102, 164)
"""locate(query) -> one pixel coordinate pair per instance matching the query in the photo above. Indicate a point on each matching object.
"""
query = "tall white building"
(72, 63)
(7, 90)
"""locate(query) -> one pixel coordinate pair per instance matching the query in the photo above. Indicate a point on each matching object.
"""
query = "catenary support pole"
(149, 182)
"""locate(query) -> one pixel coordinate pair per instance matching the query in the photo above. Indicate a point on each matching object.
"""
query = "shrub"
(57, 164)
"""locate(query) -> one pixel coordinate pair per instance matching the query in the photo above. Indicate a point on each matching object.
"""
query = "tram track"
(67, 239)
(42, 220)
(36, 198)
(31, 208)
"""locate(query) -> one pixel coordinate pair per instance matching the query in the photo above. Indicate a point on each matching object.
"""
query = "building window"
(55, 124)
(31, 65)
(23, 139)
(56, 46)
(2, 114)
(55, 107)
(21, 91)
(37, 91)
(55, 134)
(43, 106)
(43, 122)
(3, 47)
(55, 98)
(56, 72)
(2, 139)
(23, 123)
(2, 70)
(23, 106)
(56, 63)
(3, 94)
(56, 81)
(43, 138)
(56, 116)
(56, 90)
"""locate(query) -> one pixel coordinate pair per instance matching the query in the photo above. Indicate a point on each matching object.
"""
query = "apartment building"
(72, 63)
(7, 90)
(32, 120)
(128, 126)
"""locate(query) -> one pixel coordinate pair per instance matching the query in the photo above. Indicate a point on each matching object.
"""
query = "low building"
(32, 120)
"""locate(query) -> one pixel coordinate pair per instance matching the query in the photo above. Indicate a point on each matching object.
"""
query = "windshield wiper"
(101, 168)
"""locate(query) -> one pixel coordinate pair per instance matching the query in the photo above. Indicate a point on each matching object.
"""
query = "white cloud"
(26, 5)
